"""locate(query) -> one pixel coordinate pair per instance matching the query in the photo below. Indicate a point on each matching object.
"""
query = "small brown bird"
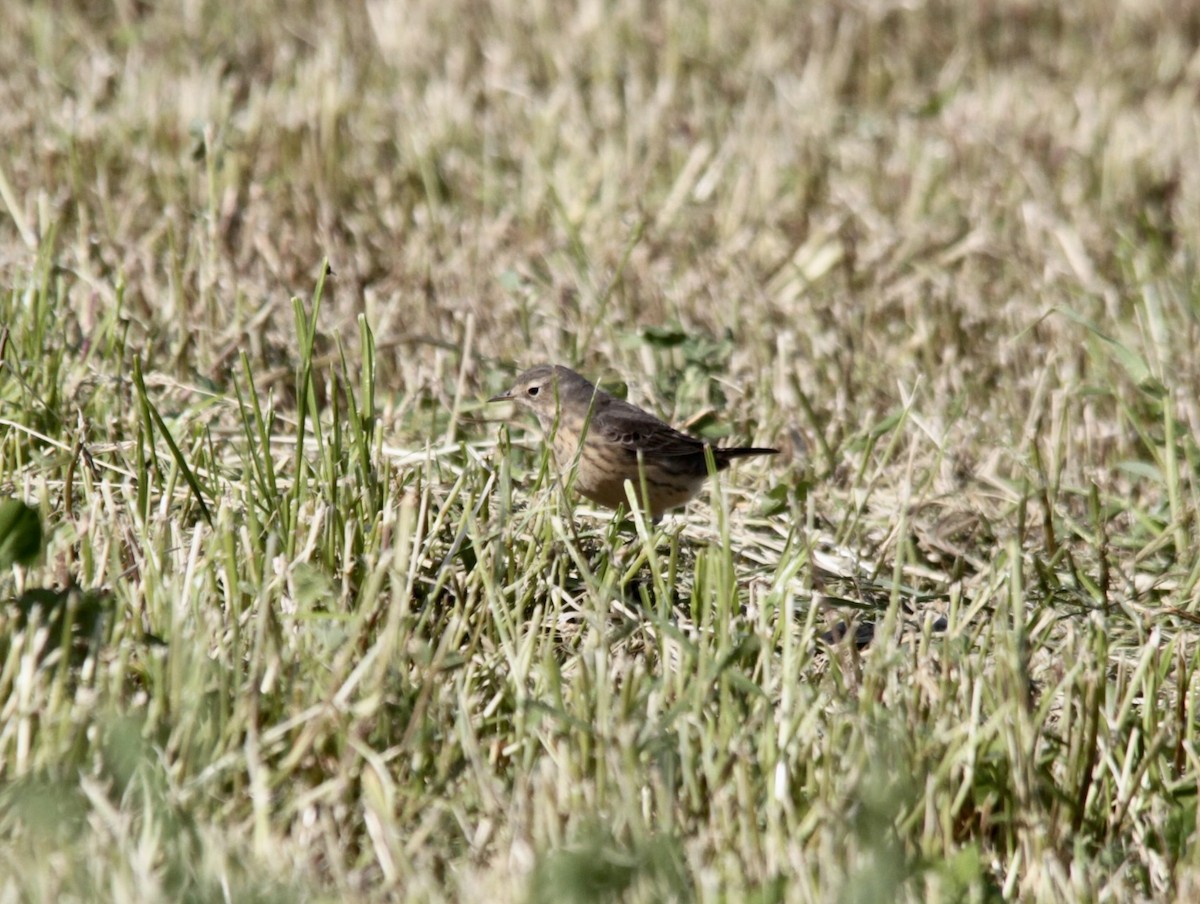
(619, 441)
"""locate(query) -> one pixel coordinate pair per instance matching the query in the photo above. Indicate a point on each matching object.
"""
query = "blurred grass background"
(309, 624)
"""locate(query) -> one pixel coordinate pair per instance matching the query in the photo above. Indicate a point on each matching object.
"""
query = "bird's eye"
(534, 390)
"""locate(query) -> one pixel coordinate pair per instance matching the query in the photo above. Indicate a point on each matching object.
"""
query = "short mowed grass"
(311, 621)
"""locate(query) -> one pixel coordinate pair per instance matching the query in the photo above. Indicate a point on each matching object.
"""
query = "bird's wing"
(637, 431)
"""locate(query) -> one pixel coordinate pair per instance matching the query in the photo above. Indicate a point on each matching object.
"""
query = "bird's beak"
(505, 396)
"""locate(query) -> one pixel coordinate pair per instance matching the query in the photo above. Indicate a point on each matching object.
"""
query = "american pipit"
(619, 441)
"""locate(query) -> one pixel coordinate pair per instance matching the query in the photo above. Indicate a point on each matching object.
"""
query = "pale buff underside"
(603, 469)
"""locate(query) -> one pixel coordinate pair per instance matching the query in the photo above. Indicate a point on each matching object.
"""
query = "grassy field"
(313, 622)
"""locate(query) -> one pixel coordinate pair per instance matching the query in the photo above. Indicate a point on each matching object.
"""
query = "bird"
(610, 441)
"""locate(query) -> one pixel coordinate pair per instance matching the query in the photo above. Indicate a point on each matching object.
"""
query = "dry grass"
(307, 623)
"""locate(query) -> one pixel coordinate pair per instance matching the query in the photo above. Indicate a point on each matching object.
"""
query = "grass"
(308, 622)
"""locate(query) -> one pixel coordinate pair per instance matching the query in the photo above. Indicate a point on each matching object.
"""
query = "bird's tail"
(743, 452)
